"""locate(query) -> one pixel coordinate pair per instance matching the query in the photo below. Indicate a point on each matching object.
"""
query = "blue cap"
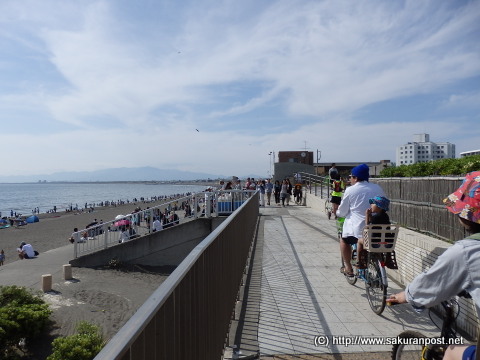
(381, 201)
(361, 172)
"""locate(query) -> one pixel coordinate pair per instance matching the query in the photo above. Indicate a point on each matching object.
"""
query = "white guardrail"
(202, 204)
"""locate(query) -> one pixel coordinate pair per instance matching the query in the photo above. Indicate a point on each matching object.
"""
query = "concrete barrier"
(47, 282)
(67, 272)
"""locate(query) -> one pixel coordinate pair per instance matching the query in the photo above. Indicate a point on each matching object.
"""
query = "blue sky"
(89, 85)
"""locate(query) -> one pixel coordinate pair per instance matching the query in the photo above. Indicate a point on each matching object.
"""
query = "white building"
(423, 150)
(468, 153)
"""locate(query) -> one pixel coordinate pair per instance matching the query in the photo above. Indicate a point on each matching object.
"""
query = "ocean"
(23, 198)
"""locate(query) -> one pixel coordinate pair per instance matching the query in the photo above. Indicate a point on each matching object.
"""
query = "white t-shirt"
(353, 206)
(157, 225)
(28, 250)
(124, 236)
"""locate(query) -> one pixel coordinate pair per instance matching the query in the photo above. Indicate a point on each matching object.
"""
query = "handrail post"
(195, 206)
(105, 234)
(208, 204)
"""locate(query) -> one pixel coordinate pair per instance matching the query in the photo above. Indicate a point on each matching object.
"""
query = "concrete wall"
(415, 253)
(166, 247)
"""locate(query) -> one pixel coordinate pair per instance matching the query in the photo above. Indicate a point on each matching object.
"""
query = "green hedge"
(84, 345)
(443, 167)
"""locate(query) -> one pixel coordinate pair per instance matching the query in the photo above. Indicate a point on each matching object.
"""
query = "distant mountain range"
(116, 174)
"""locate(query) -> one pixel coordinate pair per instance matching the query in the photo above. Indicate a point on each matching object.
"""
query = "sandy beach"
(54, 229)
(105, 297)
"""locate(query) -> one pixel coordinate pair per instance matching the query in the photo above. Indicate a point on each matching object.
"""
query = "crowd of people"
(281, 192)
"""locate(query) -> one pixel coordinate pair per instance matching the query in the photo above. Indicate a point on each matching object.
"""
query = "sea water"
(23, 198)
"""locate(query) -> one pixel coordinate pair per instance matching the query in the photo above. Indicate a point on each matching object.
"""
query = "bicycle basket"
(380, 238)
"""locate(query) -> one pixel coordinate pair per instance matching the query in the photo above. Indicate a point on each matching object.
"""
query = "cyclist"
(458, 268)
(354, 203)
(338, 186)
(333, 173)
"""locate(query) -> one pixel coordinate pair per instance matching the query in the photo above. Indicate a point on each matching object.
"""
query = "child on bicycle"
(376, 214)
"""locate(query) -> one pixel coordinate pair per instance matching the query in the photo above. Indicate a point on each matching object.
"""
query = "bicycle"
(378, 240)
(421, 351)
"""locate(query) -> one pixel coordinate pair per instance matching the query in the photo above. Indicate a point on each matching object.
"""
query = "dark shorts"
(469, 353)
(350, 240)
(336, 200)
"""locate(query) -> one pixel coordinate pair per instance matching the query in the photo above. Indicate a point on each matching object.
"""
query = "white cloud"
(468, 100)
(146, 82)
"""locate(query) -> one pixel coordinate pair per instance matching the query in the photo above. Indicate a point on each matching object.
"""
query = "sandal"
(349, 274)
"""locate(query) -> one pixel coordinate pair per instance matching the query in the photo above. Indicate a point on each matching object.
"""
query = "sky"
(215, 86)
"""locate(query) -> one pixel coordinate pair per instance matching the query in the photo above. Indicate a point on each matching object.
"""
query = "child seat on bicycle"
(377, 215)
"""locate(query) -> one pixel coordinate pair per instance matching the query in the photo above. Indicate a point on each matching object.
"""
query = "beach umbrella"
(3, 221)
(122, 222)
(119, 217)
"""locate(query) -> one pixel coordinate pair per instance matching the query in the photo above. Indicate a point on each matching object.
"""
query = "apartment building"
(423, 150)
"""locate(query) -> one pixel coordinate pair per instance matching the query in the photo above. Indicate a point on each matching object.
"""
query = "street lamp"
(270, 161)
(271, 155)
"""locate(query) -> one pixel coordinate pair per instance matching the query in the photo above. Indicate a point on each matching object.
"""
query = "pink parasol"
(122, 222)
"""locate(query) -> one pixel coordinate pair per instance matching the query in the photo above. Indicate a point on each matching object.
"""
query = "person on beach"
(75, 238)
(157, 224)
(125, 235)
(25, 251)
(2, 257)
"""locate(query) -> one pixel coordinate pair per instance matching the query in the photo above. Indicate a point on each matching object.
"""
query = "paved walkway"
(296, 301)
(29, 272)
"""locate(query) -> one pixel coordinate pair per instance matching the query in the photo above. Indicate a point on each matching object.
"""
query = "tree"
(23, 316)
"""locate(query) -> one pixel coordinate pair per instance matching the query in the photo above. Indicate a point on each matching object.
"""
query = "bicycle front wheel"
(411, 351)
(376, 290)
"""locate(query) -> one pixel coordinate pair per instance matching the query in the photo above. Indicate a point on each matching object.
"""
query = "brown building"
(300, 157)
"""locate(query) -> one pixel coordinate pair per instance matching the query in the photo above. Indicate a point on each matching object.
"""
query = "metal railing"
(209, 203)
(189, 315)
(316, 185)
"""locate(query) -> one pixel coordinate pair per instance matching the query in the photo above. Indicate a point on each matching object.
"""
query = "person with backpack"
(338, 186)
(333, 173)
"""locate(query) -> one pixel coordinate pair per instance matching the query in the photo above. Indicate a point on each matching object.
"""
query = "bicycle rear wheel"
(408, 351)
(376, 290)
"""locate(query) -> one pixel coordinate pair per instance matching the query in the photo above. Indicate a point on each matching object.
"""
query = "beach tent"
(32, 219)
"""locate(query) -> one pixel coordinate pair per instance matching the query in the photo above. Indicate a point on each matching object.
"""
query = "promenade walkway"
(296, 303)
